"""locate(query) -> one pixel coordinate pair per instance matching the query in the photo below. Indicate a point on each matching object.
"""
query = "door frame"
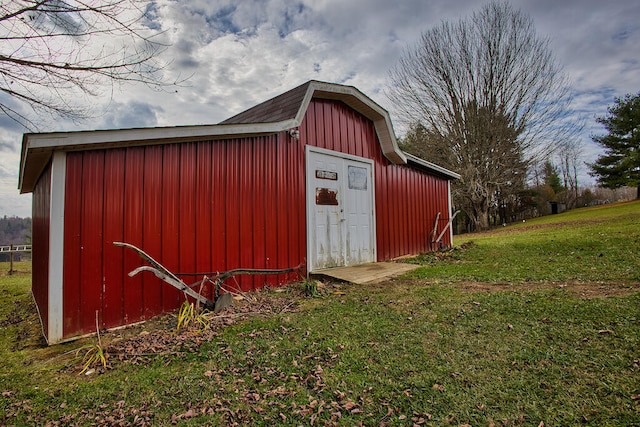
(310, 199)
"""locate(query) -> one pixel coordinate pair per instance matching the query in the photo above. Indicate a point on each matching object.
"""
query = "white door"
(340, 218)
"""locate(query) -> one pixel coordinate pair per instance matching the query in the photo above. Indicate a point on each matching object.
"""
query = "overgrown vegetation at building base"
(451, 345)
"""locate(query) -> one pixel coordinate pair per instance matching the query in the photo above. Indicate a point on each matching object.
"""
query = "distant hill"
(15, 231)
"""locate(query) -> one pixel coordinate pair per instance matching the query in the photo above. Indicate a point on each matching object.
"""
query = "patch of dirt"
(581, 289)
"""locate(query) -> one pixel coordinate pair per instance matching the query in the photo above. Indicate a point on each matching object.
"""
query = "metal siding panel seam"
(290, 206)
(259, 227)
(219, 188)
(300, 207)
(411, 198)
(310, 122)
(187, 222)
(393, 210)
(336, 129)
(152, 227)
(133, 229)
(204, 214)
(282, 208)
(246, 212)
(71, 215)
(271, 208)
(41, 217)
(232, 227)
(321, 126)
(91, 239)
(171, 297)
(112, 256)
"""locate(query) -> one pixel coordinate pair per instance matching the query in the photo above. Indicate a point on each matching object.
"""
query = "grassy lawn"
(528, 324)
(588, 245)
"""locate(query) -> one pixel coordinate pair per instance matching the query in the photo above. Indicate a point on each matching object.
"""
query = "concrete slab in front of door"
(367, 273)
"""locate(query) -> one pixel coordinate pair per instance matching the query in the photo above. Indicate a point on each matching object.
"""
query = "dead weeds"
(160, 336)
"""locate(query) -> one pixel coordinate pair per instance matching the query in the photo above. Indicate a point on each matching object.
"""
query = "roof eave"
(37, 148)
(431, 166)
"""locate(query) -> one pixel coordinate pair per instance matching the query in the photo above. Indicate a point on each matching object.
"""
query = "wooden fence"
(12, 249)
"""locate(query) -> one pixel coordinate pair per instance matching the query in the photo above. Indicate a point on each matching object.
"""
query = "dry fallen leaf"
(349, 405)
(438, 387)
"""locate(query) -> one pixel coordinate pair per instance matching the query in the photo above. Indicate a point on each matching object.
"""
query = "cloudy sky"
(238, 53)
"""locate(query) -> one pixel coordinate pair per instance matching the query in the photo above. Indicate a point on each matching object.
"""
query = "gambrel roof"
(284, 112)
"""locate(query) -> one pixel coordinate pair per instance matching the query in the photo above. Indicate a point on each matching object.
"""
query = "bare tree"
(491, 99)
(56, 53)
(569, 155)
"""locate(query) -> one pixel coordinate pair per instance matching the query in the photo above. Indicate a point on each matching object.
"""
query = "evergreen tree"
(552, 177)
(619, 166)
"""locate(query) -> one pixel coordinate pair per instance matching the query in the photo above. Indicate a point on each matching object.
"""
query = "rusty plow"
(216, 278)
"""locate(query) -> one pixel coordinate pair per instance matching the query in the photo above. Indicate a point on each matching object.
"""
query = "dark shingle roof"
(282, 107)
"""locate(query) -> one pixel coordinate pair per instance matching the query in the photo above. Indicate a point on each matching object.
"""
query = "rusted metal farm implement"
(217, 279)
(436, 239)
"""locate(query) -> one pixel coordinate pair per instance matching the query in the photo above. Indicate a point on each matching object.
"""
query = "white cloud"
(240, 53)
(131, 114)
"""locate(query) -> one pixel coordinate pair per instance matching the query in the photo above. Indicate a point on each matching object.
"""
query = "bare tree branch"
(491, 99)
(56, 53)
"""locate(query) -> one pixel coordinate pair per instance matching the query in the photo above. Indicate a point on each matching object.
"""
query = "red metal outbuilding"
(312, 176)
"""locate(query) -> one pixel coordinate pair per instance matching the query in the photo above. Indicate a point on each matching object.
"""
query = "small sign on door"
(326, 197)
(322, 174)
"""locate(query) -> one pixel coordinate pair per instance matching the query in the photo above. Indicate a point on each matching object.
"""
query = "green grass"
(462, 341)
(590, 245)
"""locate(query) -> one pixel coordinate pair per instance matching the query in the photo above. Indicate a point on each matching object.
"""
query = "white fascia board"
(432, 166)
(87, 139)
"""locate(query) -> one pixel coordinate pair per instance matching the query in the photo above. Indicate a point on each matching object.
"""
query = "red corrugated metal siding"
(91, 227)
(219, 188)
(259, 224)
(196, 207)
(133, 227)
(41, 209)
(407, 199)
(231, 204)
(152, 226)
(215, 206)
(72, 285)
(188, 197)
(204, 209)
(114, 176)
(272, 169)
(170, 228)
(246, 196)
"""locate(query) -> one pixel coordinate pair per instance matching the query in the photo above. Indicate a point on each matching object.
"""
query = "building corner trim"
(56, 247)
